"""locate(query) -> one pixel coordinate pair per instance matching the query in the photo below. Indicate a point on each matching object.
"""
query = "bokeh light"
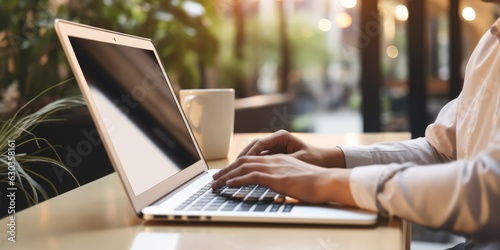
(343, 20)
(401, 12)
(348, 4)
(324, 25)
(469, 14)
(392, 51)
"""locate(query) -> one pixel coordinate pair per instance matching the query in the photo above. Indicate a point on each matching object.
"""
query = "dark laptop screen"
(138, 110)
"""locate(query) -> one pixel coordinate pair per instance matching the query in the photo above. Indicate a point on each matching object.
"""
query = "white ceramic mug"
(210, 113)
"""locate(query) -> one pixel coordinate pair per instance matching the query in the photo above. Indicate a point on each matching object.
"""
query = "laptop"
(152, 147)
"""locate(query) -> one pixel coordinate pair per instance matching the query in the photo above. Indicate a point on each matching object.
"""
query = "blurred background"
(335, 65)
(325, 66)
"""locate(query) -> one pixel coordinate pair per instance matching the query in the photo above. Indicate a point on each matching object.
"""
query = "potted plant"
(22, 184)
(31, 60)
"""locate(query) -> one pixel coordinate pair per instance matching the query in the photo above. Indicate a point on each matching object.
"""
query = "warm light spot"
(324, 25)
(44, 59)
(3, 42)
(343, 20)
(44, 216)
(11, 68)
(348, 3)
(42, 31)
(401, 12)
(392, 51)
(469, 14)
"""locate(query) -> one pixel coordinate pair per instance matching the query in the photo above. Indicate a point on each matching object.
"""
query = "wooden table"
(99, 216)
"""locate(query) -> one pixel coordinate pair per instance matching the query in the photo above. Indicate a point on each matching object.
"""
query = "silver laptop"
(150, 143)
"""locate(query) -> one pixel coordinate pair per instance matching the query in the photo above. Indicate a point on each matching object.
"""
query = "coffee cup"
(210, 113)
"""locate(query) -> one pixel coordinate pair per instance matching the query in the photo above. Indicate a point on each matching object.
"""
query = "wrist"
(339, 187)
(334, 158)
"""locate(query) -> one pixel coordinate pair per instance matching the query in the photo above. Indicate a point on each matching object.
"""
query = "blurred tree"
(239, 18)
(31, 57)
(285, 64)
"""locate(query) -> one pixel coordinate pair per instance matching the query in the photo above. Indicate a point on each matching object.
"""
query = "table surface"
(99, 216)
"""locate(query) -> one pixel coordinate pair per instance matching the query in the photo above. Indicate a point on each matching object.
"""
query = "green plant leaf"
(19, 126)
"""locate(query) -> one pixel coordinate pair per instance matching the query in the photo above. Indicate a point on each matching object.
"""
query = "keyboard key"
(288, 208)
(275, 207)
(245, 206)
(261, 206)
(229, 207)
(221, 198)
(253, 198)
(229, 191)
(180, 208)
(213, 207)
(218, 201)
(240, 195)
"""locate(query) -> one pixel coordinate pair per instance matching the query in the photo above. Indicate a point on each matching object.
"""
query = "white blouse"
(451, 178)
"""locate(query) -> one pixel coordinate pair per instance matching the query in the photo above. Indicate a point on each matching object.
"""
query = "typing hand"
(282, 142)
(283, 174)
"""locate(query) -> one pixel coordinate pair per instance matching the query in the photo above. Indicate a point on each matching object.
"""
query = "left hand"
(283, 142)
(289, 176)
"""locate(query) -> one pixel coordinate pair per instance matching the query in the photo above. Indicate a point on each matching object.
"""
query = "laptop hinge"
(173, 192)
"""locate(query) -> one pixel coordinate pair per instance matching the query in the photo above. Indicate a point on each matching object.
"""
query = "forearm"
(331, 158)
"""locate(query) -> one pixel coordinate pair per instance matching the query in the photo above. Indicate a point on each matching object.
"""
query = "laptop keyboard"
(251, 198)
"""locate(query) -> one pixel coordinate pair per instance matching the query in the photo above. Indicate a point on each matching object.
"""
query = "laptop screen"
(138, 111)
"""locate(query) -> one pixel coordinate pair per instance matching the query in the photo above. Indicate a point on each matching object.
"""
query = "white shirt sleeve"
(437, 147)
(421, 181)
(462, 196)
(418, 151)
(451, 178)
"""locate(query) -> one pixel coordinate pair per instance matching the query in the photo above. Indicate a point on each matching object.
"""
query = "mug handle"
(187, 100)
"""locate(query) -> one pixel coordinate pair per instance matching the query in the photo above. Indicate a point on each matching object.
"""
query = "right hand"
(288, 176)
(282, 142)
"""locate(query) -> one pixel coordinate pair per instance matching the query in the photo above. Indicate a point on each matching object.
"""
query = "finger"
(242, 170)
(224, 171)
(235, 165)
(247, 148)
(270, 143)
(258, 178)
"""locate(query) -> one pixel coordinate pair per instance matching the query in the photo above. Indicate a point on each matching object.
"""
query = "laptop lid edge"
(138, 203)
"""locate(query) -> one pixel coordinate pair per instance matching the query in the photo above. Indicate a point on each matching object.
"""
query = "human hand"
(289, 176)
(282, 142)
